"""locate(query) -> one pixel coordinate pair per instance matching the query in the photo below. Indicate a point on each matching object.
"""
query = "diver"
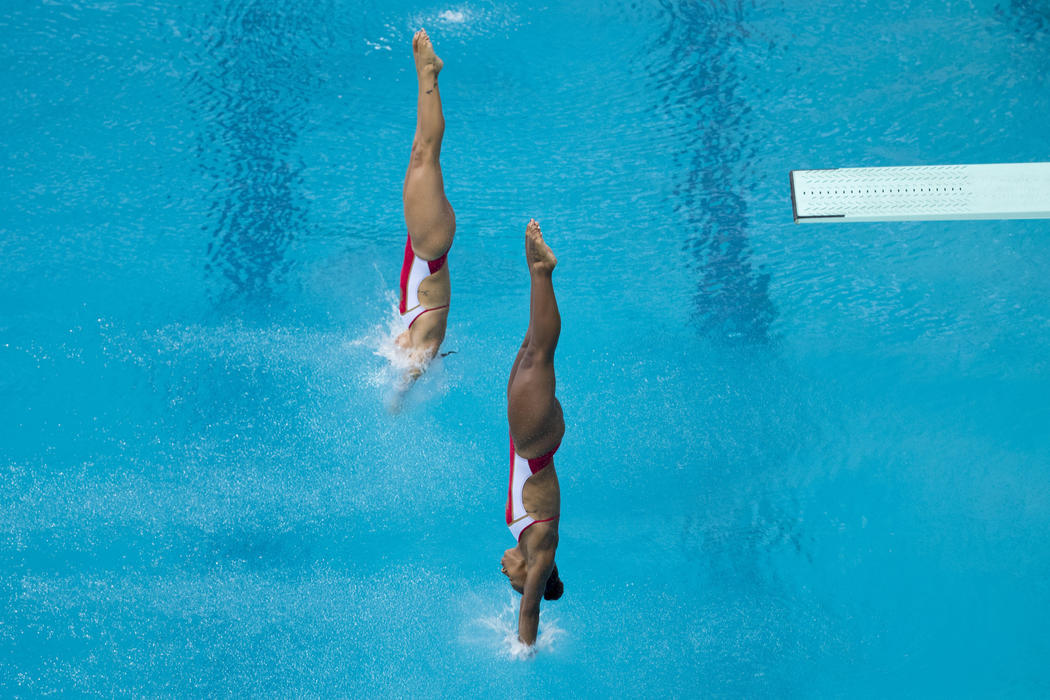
(431, 223)
(536, 430)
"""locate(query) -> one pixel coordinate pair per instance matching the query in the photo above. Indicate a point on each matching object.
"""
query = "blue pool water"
(800, 461)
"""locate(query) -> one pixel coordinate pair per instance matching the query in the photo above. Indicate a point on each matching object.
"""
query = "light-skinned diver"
(431, 223)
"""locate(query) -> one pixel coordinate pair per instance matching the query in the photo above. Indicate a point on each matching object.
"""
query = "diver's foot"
(428, 65)
(539, 255)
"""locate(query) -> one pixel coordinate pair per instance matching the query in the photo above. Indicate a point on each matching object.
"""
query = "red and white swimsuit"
(413, 271)
(520, 471)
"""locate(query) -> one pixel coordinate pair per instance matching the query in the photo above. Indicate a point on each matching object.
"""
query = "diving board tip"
(921, 193)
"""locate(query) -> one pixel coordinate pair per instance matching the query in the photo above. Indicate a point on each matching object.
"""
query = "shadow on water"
(696, 69)
(256, 69)
(743, 530)
(1029, 22)
(1031, 18)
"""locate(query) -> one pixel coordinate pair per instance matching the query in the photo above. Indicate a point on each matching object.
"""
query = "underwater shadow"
(693, 65)
(256, 72)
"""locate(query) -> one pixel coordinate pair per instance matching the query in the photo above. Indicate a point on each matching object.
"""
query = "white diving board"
(922, 193)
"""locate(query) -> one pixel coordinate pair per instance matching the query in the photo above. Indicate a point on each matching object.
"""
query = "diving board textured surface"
(922, 193)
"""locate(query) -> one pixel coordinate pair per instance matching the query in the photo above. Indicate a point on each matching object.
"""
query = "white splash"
(403, 381)
(504, 625)
(453, 16)
(380, 45)
(465, 20)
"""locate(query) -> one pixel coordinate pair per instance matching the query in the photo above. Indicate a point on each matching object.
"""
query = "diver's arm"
(532, 593)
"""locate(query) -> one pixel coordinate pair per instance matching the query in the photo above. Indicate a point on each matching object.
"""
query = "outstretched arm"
(532, 593)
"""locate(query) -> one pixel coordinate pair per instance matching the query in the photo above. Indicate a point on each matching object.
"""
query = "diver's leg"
(517, 359)
(544, 319)
(429, 217)
(532, 411)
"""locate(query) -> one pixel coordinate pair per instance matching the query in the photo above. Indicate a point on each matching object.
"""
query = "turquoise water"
(799, 461)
